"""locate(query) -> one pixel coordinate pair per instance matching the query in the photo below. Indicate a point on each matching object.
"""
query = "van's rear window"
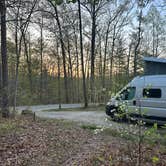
(152, 93)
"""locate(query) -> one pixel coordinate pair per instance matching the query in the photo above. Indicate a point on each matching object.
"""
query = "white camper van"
(144, 97)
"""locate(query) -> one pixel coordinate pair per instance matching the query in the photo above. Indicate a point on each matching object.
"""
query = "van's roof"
(154, 59)
(151, 80)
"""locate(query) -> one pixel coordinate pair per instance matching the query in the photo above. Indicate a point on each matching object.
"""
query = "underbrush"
(133, 146)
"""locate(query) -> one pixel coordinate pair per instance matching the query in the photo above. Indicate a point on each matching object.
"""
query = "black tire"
(108, 111)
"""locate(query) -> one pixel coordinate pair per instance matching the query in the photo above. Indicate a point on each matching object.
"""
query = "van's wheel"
(110, 111)
(117, 115)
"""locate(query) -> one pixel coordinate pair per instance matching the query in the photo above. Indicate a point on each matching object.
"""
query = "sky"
(35, 31)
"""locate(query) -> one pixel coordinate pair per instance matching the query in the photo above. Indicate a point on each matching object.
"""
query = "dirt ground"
(58, 142)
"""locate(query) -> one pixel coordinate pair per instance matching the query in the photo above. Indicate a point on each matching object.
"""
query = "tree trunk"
(28, 59)
(63, 55)
(157, 44)
(0, 85)
(105, 54)
(41, 60)
(93, 50)
(100, 63)
(112, 53)
(5, 102)
(70, 69)
(153, 39)
(128, 61)
(17, 51)
(77, 67)
(137, 44)
(59, 78)
(82, 56)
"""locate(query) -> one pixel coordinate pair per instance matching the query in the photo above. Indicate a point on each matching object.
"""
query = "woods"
(82, 82)
(55, 51)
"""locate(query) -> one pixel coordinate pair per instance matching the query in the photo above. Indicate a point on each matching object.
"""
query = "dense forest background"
(78, 51)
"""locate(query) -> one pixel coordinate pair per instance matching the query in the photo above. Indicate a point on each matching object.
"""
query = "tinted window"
(152, 93)
(128, 94)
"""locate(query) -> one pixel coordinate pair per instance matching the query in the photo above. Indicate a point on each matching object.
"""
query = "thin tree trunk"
(93, 50)
(100, 64)
(17, 65)
(82, 56)
(157, 44)
(105, 55)
(63, 55)
(153, 39)
(87, 63)
(59, 78)
(70, 69)
(5, 101)
(18, 52)
(137, 44)
(77, 67)
(111, 70)
(128, 61)
(41, 60)
(112, 53)
(28, 59)
(0, 86)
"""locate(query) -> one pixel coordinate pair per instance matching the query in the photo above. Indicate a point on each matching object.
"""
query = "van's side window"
(128, 94)
(152, 93)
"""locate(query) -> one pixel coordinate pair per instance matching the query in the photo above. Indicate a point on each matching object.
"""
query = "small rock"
(27, 112)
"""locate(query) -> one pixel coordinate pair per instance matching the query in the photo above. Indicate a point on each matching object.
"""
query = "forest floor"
(46, 142)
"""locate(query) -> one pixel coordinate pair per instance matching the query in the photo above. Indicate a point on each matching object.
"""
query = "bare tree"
(82, 56)
(137, 42)
(4, 57)
(141, 4)
(20, 28)
(41, 58)
(93, 7)
(62, 48)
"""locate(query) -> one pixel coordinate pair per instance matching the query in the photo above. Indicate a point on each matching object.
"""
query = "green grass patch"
(90, 127)
(151, 139)
(8, 126)
(112, 132)
(121, 134)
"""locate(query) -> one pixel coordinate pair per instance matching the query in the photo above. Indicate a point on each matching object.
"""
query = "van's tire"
(108, 111)
(113, 114)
